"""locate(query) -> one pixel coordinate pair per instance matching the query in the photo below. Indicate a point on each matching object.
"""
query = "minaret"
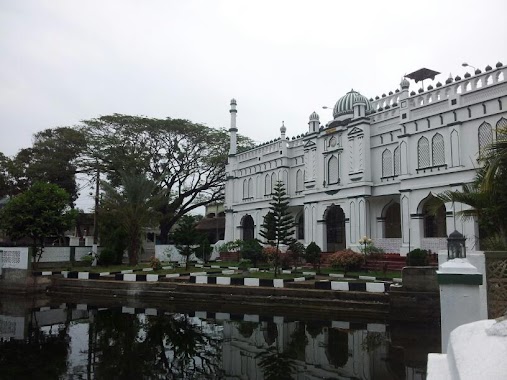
(233, 130)
(405, 84)
(283, 139)
(283, 129)
(314, 123)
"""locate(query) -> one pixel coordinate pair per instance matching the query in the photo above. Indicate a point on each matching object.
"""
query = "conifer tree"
(278, 226)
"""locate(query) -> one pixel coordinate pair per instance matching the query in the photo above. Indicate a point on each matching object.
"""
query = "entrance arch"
(392, 224)
(434, 218)
(248, 226)
(335, 229)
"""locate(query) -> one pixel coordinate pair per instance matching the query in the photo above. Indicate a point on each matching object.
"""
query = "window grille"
(397, 161)
(485, 136)
(387, 163)
(501, 129)
(423, 153)
(438, 150)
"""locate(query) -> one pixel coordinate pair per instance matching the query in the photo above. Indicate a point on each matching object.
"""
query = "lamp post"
(456, 248)
(464, 64)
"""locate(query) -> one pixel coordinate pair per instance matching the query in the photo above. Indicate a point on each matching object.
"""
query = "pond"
(86, 341)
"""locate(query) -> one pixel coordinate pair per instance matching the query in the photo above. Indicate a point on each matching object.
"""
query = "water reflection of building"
(329, 351)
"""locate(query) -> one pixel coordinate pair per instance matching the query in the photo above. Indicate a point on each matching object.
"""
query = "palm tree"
(134, 205)
(487, 195)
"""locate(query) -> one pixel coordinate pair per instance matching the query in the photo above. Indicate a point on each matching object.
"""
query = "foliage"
(113, 236)
(88, 260)
(276, 365)
(369, 249)
(52, 158)
(273, 256)
(155, 263)
(244, 264)
(231, 246)
(185, 160)
(107, 257)
(185, 237)
(297, 252)
(251, 250)
(278, 225)
(487, 195)
(204, 250)
(134, 207)
(418, 257)
(347, 260)
(40, 212)
(312, 255)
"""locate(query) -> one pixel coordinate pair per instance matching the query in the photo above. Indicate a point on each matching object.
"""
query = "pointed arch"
(501, 129)
(250, 188)
(397, 161)
(267, 184)
(299, 181)
(274, 179)
(387, 163)
(423, 153)
(455, 153)
(438, 150)
(392, 224)
(245, 188)
(332, 170)
(485, 136)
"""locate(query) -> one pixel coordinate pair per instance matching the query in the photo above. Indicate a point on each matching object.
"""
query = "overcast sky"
(65, 61)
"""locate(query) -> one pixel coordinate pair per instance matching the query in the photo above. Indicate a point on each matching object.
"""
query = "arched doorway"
(247, 224)
(435, 225)
(335, 229)
(392, 225)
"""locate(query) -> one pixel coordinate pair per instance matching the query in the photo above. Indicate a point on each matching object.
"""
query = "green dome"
(345, 104)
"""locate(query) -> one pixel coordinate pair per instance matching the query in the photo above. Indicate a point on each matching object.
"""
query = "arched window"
(273, 182)
(434, 219)
(392, 227)
(250, 188)
(423, 153)
(387, 163)
(397, 161)
(501, 129)
(245, 189)
(485, 136)
(267, 184)
(301, 227)
(438, 150)
(248, 227)
(332, 170)
(299, 181)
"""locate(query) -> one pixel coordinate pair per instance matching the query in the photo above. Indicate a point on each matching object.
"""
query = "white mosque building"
(374, 167)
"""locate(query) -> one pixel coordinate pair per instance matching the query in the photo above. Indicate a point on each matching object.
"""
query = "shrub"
(273, 256)
(296, 251)
(155, 263)
(418, 257)
(87, 260)
(106, 257)
(244, 264)
(251, 250)
(347, 260)
(312, 255)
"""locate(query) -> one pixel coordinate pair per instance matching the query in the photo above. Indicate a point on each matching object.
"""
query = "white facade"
(372, 169)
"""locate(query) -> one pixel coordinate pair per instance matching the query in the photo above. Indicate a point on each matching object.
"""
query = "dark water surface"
(85, 341)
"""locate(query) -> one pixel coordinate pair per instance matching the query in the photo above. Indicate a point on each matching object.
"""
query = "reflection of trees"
(167, 346)
(42, 354)
(275, 364)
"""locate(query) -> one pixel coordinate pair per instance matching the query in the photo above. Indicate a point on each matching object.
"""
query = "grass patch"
(388, 274)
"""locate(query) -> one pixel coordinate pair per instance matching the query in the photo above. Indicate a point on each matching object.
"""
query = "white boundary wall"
(169, 252)
(14, 257)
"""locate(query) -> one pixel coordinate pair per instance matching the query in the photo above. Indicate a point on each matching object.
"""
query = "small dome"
(467, 75)
(283, 128)
(439, 84)
(233, 101)
(405, 84)
(488, 68)
(448, 80)
(345, 104)
(430, 87)
(314, 116)
(477, 72)
(499, 64)
(457, 78)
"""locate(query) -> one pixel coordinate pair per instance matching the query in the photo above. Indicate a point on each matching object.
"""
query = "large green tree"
(54, 157)
(185, 160)
(134, 205)
(39, 213)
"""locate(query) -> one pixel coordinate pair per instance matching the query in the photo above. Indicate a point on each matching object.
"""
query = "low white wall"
(55, 254)
(14, 257)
